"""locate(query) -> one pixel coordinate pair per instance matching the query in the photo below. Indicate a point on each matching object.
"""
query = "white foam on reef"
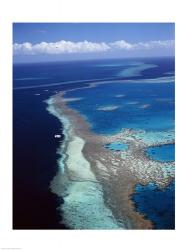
(108, 108)
(167, 79)
(164, 79)
(83, 206)
(135, 70)
(77, 164)
(66, 130)
(72, 99)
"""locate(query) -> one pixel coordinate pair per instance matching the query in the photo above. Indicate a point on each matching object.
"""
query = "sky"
(38, 42)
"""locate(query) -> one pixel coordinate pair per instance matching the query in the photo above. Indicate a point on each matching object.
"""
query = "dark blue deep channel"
(34, 159)
(158, 205)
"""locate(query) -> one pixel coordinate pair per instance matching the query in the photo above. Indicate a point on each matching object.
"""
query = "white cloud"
(67, 47)
(122, 44)
(156, 44)
(60, 47)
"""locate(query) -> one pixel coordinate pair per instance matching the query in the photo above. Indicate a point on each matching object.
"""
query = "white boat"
(57, 136)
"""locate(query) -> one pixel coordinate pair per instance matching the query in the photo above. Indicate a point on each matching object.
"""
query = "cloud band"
(69, 47)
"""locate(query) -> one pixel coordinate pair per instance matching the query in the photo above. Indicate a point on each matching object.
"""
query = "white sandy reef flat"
(84, 206)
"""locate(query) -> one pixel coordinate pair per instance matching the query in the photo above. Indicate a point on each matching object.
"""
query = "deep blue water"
(162, 153)
(58, 72)
(34, 150)
(34, 163)
(157, 114)
(157, 205)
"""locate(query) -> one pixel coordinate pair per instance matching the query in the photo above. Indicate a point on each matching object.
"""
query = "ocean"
(111, 95)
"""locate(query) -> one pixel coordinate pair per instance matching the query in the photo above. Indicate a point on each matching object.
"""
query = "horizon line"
(94, 59)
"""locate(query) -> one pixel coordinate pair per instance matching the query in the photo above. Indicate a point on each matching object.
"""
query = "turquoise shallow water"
(162, 153)
(117, 146)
